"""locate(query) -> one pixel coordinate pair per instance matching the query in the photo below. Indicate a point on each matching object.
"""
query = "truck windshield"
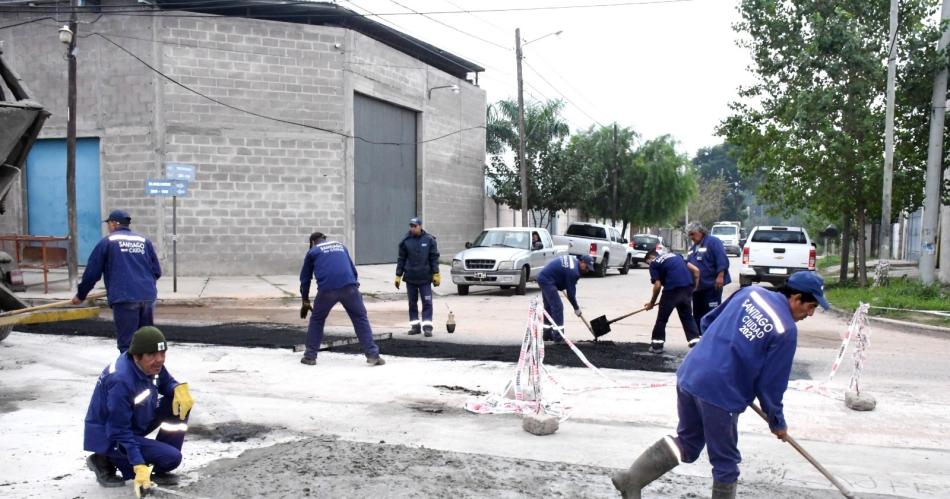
(506, 238)
(725, 230)
(778, 236)
(590, 231)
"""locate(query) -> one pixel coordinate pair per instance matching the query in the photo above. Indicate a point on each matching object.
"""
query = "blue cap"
(415, 221)
(811, 283)
(122, 217)
(588, 260)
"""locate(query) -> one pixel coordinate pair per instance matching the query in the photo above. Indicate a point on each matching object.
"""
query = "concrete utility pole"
(886, 226)
(616, 176)
(72, 264)
(521, 160)
(928, 232)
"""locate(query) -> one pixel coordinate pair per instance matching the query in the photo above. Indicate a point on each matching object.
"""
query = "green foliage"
(903, 294)
(603, 164)
(811, 128)
(718, 162)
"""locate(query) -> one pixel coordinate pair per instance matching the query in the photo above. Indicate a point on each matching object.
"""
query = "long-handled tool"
(601, 326)
(808, 457)
(581, 316)
(54, 304)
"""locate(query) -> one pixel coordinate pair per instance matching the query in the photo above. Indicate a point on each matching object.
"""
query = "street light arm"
(555, 33)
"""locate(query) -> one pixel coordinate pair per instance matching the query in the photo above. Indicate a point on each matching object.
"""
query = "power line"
(273, 118)
(476, 37)
(545, 80)
(483, 20)
(568, 83)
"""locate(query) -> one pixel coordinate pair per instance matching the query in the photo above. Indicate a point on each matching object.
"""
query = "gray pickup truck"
(504, 256)
(602, 242)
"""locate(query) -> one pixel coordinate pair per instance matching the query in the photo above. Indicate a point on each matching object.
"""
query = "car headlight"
(505, 265)
(456, 264)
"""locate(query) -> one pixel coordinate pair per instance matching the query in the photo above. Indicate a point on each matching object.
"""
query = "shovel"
(601, 326)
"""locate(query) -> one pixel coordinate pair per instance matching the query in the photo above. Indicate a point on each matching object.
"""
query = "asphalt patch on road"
(603, 354)
(229, 431)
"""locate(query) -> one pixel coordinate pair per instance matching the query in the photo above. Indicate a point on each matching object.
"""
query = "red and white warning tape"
(859, 329)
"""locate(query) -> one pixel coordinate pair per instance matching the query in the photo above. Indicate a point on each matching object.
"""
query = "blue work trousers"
(415, 292)
(129, 317)
(554, 308)
(349, 296)
(681, 300)
(702, 424)
(164, 453)
(704, 300)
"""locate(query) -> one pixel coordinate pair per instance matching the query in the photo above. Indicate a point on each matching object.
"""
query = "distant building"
(377, 126)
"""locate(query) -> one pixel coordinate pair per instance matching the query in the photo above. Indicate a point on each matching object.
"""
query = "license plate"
(479, 275)
(778, 271)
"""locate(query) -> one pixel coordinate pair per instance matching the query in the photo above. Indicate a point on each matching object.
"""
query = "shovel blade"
(600, 326)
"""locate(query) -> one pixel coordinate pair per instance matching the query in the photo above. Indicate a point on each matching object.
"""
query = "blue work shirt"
(129, 264)
(330, 264)
(710, 256)
(563, 274)
(418, 258)
(124, 406)
(746, 352)
(671, 270)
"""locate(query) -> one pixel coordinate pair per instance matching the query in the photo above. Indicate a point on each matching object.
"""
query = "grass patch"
(829, 262)
(900, 293)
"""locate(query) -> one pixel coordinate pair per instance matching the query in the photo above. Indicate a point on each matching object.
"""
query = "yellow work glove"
(436, 279)
(398, 281)
(143, 479)
(182, 403)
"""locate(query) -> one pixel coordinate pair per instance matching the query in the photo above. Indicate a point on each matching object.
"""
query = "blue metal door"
(46, 192)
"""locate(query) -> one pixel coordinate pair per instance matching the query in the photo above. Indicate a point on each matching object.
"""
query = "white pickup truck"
(602, 242)
(773, 253)
(504, 256)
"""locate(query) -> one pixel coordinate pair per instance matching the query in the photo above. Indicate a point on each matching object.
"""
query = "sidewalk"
(375, 280)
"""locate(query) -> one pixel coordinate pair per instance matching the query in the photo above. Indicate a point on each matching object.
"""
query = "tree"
(664, 180)
(812, 125)
(719, 162)
(551, 180)
(604, 163)
(707, 207)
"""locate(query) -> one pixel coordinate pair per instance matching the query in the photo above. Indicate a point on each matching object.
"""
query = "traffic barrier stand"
(859, 330)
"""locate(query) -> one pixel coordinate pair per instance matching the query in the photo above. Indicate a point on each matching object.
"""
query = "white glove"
(578, 312)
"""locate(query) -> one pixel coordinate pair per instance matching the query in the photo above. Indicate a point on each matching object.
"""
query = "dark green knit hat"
(147, 339)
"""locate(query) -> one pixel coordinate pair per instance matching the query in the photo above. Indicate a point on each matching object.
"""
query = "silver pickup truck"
(602, 242)
(506, 257)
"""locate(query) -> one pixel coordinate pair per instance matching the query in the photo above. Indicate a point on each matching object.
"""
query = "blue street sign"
(179, 171)
(166, 187)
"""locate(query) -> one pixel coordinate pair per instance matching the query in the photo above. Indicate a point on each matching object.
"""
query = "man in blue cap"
(745, 353)
(418, 265)
(130, 266)
(709, 255)
(561, 274)
(677, 278)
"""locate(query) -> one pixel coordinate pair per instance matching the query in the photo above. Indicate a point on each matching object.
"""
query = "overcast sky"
(659, 68)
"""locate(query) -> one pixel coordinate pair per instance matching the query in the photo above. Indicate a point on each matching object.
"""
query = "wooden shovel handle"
(635, 312)
(54, 304)
(583, 319)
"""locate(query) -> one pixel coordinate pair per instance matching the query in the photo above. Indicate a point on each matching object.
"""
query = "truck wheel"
(523, 283)
(463, 289)
(5, 331)
(744, 281)
(506, 287)
(601, 270)
(626, 266)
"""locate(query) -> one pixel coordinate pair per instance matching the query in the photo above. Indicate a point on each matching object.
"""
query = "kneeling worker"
(561, 274)
(746, 353)
(671, 273)
(134, 396)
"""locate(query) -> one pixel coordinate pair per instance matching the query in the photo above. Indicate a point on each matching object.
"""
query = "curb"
(911, 327)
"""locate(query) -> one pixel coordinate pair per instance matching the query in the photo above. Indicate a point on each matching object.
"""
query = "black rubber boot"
(427, 331)
(166, 479)
(652, 464)
(104, 470)
(724, 490)
(415, 329)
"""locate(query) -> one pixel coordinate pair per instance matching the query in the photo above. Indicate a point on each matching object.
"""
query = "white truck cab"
(772, 253)
(730, 234)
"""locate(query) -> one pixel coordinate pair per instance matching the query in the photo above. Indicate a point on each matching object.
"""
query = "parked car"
(730, 233)
(642, 244)
(602, 242)
(505, 257)
(773, 253)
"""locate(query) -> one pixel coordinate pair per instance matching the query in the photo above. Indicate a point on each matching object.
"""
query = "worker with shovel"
(136, 395)
(677, 278)
(561, 274)
(746, 353)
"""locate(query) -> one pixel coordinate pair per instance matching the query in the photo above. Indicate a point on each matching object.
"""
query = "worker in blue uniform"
(677, 279)
(561, 274)
(418, 266)
(134, 396)
(130, 267)
(746, 353)
(337, 282)
(709, 255)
